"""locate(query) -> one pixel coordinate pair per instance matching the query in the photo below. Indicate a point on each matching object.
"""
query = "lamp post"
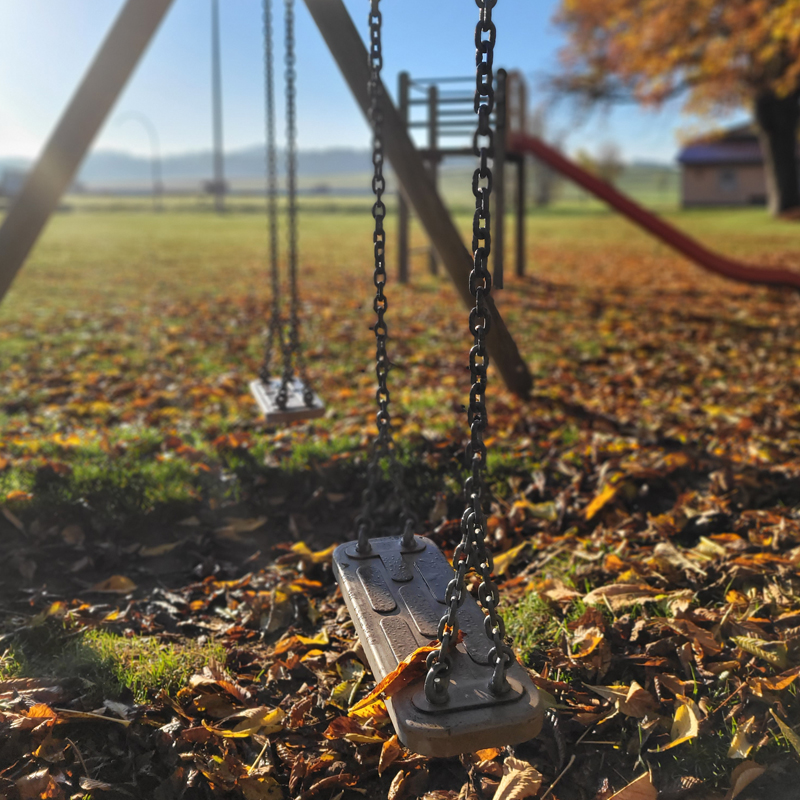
(155, 154)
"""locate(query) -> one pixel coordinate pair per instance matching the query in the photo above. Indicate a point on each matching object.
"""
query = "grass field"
(665, 414)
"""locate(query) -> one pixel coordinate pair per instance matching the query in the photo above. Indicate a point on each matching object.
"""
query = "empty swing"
(401, 592)
(289, 397)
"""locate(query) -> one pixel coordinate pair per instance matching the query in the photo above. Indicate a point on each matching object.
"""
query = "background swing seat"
(396, 598)
(266, 395)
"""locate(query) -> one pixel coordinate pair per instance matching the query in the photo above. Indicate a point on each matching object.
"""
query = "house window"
(728, 180)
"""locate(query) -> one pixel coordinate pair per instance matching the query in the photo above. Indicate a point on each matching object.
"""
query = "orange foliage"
(724, 52)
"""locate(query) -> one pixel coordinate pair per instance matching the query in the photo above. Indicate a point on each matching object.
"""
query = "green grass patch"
(104, 665)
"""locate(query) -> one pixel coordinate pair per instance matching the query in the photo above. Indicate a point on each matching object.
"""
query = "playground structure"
(480, 714)
(447, 116)
(127, 40)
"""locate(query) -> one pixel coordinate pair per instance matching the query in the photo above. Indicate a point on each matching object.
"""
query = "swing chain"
(275, 333)
(471, 552)
(294, 354)
(383, 446)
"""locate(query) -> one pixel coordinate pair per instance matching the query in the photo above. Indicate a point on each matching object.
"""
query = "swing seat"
(266, 395)
(396, 598)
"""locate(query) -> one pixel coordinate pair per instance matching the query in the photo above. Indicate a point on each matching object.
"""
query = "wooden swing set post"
(87, 111)
(349, 52)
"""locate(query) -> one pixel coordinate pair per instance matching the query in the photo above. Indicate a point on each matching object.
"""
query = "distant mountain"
(244, 169)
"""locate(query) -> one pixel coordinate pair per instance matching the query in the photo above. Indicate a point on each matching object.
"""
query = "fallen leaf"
(519, 780)
(740, 744)
(685, 724)
(390, 752)
(504, 560)
(410, 668)
(603, 498)
(640, 789)
(743, 776)
(159, 549)
(620, 595)
(73, 535)
(116, 584)
(788, 733)
(772, 652)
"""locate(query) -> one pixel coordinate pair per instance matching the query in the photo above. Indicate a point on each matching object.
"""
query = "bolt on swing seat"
(396, 597)
(266, 395)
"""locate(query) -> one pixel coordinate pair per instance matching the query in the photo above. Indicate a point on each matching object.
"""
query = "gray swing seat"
(266, 395)
(396, 598)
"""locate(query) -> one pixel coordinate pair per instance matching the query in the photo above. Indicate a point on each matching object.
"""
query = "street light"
(155, 154)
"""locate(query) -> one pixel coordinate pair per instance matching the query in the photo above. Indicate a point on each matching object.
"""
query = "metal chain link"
(275, 333)
(471, 552)
(294, 354)
(383, 445)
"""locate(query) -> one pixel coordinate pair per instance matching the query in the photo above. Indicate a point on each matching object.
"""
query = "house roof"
(738, 145)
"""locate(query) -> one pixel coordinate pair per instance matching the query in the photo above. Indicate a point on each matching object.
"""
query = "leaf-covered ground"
(170, 624)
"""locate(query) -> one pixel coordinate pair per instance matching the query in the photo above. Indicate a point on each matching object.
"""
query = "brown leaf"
(620, 595)
(390, 752)
(743, 776)
(640, 789)
(116, 584)
(340, 781)
(397, 788)
(73, 535)
(410, 668)
(519, 780)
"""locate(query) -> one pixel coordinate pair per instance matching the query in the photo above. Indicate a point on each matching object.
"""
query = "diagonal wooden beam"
(87, 110)
(348, 50)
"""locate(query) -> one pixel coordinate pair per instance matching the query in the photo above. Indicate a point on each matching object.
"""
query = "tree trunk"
(778, 119)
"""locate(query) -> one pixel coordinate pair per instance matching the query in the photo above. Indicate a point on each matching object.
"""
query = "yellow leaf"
(320, 557)
(740, 744)
(685, 725)
(116, 584)
(788, 733)
(265, 722)
(407, 670)
(372, 711)
(586, 641)
(503, 561)
(603, 498)
(772, 652)
(321, 639)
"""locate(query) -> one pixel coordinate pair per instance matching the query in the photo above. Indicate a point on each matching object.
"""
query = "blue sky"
(46, 46)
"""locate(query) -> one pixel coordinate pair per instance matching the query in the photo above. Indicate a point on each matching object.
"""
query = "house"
(724, 169)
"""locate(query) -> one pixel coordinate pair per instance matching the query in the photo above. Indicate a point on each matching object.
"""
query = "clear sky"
(46, 45)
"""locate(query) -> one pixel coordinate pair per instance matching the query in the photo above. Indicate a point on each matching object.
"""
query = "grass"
(105, 665)
(128, 329)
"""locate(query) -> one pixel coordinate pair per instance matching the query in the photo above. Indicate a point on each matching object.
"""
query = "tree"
(723, 54)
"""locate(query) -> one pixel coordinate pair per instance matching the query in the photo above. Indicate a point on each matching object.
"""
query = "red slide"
(691, 248)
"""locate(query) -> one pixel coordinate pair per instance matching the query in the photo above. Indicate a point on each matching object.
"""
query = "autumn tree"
(722, 54)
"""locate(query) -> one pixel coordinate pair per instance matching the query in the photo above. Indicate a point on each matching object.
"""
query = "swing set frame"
(118, 56)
